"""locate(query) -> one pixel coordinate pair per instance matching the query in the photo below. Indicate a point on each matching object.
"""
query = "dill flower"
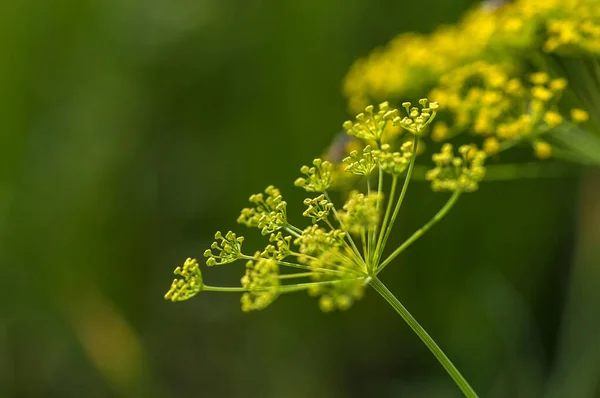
(188, 285)
(337, 255)
(318, 177)
(457, 173)
(341, 252)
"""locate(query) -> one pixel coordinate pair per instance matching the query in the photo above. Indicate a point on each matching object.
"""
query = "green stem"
(437, 217)
(380, 201)
(339, 220)
(401, 198)
(292, 231)
(425, 337)
(304, 286)
(208, 288)
(298, 275)
(299, 266)
(385, 220)
(363, 239)
(369, 231)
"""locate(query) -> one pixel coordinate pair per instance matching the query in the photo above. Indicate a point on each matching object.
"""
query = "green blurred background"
(133, 130)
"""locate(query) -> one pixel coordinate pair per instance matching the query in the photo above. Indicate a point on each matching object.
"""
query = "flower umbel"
(457, 173)
(325, 254)
(318, 177)
(262, 282)
(188, 285)
(268, 215)
(228, 247)
(323, 258)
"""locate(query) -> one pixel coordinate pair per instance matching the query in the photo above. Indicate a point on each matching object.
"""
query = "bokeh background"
(133, 130)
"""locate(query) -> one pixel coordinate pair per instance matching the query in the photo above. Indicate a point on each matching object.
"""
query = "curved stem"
(460, 381)
(437, 217)
(385, 221)
(400, 199)
(369, 231)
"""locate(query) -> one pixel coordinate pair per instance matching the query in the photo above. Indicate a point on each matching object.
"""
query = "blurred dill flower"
(360, 212)
(457, 173)
(544, 89)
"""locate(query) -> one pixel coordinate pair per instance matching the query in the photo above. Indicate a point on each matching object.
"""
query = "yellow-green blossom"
(262, 282)
(457, 173)
(269, 214)
(189, 284)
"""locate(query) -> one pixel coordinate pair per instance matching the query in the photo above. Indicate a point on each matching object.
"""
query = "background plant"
(130, 132)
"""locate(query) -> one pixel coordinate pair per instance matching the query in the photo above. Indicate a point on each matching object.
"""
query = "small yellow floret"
(553, 118)
(539, 78)
(579, 115)
(542, 149)
(491, 146)
(440, 132)
(541, 93)
(558, 84)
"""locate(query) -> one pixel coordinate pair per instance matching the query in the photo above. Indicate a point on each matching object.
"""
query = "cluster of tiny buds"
(318, 177)
(361, 164)
(394, 162)
(279, 247)
(369, 125)
(315, 240)
(416, 119)
(262, 282)
(189, 284)
(457, 173)
(270, 213)
(228, 247)
(317, 208)
(360, 211)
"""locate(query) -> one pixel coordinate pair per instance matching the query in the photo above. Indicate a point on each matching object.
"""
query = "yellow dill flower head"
(457, 173)
(188, 285)
(268, 215)
(417, 119)
(371, 124)
(491, 146)
(227, 248)
(394, 163)
(553, 118)
(360, 212)
(317, 209)
(542, 93)
(344, 288)
(361, 164)
(278, 247)
(440, 131)
(317, 178)
(262, 281)
(542, 149)
(558, 84)
(574, 29)
(315, 240)
(539, 78)
(579, 115)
